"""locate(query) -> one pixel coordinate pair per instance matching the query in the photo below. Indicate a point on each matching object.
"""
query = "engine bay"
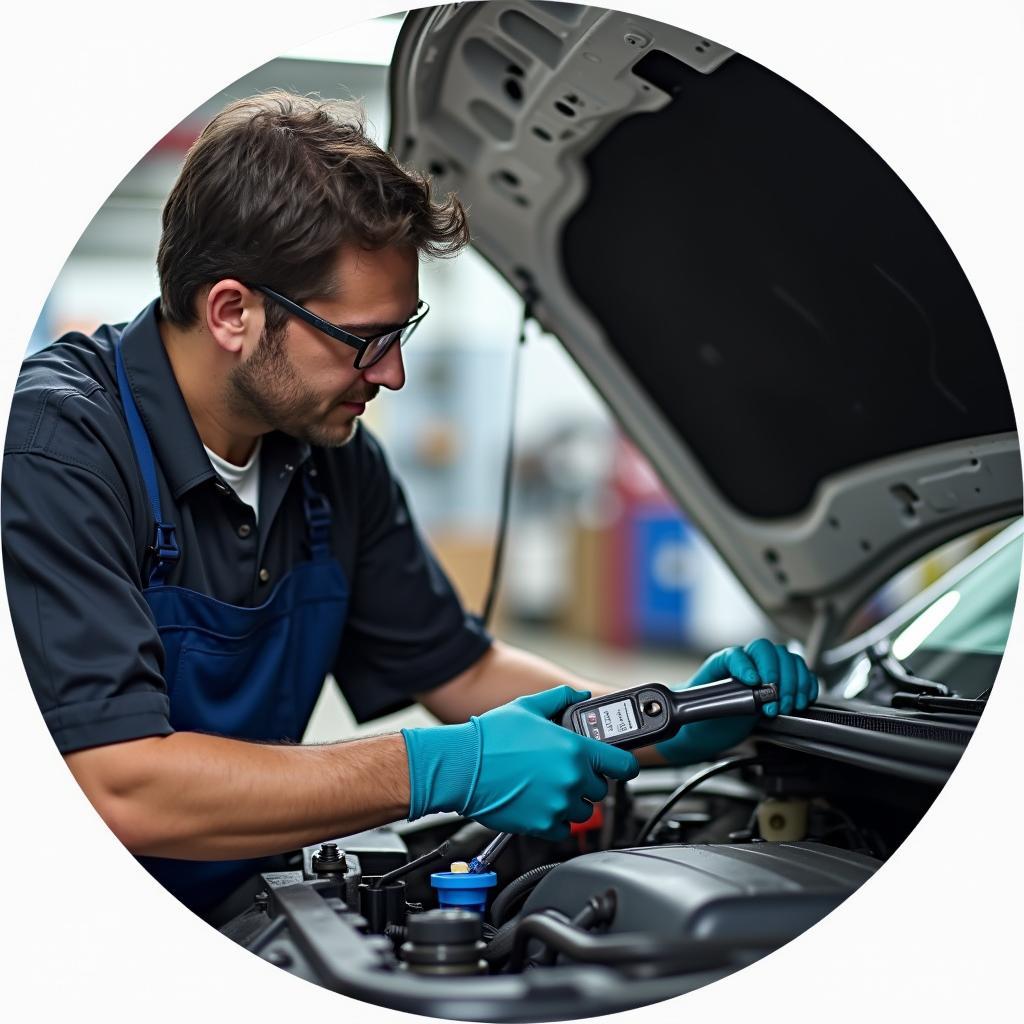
(680, 877)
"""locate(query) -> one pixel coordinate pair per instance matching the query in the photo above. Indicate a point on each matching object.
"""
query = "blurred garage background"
(602, 572)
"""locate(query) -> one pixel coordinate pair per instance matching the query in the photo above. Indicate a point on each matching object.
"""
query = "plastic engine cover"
(766, 892)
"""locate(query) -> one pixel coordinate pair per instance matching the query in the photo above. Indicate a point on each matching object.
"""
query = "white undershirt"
(243, 480)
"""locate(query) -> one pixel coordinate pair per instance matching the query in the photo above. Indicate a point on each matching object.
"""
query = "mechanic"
(196, 532)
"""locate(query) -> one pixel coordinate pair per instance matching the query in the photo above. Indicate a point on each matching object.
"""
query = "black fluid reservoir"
(444, 942)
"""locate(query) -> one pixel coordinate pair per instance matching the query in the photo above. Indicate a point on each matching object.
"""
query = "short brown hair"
(275, 185)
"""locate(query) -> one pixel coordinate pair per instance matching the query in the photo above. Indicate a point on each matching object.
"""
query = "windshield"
(962, 643)
(958, 639)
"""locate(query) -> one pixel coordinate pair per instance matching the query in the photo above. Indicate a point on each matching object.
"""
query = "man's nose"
(388, 372)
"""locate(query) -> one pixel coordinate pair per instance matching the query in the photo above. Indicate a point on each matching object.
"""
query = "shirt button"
(264, 575)
(244, 530)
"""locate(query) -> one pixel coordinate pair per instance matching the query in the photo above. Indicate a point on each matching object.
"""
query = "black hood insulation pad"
(786, 301)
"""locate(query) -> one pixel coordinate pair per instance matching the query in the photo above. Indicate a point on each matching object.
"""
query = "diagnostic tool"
(651, 712)
(640, 715)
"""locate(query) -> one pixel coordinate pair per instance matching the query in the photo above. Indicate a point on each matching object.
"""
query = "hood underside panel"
(768, 311)
(774, 287)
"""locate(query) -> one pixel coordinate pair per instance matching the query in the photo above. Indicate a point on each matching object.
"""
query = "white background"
(935, 87)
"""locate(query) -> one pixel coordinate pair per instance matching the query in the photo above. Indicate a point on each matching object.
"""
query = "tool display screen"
(610, 721)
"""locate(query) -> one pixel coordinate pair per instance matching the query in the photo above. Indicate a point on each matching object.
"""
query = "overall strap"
(317, 510)
(164, 551)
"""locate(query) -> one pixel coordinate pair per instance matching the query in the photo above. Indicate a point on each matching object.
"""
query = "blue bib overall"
(251, 673)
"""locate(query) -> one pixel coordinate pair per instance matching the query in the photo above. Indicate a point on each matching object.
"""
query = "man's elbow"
(128, 821)
(115, 780)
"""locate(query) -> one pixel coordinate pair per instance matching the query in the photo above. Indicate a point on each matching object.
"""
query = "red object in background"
(178, 140)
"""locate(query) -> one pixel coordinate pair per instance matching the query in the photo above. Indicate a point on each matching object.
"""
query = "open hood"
(771, 315)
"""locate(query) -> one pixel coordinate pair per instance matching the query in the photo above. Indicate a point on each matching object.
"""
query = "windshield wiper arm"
(928, 702)
(881, 657)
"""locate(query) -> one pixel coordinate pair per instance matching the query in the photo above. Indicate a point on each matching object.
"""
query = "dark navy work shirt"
(76, 524)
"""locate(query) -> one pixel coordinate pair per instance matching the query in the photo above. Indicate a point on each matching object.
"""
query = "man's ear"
(234, 316)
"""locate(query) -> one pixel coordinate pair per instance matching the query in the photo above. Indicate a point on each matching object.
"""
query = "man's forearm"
(205, 797)
(504, 673)
(501, 675)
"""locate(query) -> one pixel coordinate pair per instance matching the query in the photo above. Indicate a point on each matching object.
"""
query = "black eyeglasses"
(368, 350)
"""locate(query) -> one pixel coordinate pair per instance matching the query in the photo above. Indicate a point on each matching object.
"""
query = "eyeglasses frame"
(339, 333)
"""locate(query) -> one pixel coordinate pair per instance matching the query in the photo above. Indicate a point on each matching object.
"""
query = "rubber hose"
(499, 949)
(598, 910)
(556, 931)
(514, 890)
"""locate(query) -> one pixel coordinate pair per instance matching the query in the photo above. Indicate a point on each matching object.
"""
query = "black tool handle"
(721, 699)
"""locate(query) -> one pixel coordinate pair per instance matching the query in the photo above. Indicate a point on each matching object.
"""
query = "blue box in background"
(661, 575)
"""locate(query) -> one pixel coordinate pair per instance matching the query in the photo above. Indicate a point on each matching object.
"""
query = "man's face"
(301, 381)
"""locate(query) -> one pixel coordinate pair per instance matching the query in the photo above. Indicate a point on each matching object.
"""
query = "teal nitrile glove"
(759, 662)
(513, 769)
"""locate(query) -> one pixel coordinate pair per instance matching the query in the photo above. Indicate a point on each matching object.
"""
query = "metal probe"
(483, 860)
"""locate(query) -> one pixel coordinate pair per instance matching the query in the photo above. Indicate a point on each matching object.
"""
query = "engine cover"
(756, 892)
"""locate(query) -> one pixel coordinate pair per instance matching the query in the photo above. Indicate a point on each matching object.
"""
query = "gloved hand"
(759, 662)
(512, 768)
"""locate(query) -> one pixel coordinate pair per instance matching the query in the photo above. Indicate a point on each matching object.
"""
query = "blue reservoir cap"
(462, 889)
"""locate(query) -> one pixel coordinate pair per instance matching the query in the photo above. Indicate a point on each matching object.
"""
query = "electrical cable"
(499, 946)
(690, 784)
(529, 298)
(413, 865)
(865, 841)
(516, 889)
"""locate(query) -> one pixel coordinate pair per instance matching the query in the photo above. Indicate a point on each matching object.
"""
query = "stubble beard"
(266, 388)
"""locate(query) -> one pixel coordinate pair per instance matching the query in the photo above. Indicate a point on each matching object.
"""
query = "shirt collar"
(172, 433)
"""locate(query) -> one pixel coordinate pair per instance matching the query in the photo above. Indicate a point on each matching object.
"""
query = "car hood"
(768, 311)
